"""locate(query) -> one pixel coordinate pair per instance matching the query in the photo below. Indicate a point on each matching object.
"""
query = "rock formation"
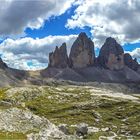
(82, 52)
(59, 58)
(2, 64)
(130, 62)
(112, 65)
(111, 55)
(23, 121)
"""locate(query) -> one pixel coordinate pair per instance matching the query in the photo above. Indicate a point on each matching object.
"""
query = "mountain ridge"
(112, 65)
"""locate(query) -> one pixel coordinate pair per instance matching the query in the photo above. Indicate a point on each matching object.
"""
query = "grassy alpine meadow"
(108, 114)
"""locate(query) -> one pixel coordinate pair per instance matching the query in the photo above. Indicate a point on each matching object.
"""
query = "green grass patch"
(75, 105)
(12, 136)
(2, 93)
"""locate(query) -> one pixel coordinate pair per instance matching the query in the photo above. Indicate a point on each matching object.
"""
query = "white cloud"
(135, 53)
(21, 52)
(17, 15)
(116, 18)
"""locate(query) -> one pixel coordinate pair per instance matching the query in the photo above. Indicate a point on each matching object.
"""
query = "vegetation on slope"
(110, 116)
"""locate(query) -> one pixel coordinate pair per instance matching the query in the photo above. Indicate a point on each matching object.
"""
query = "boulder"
(82, 129)
(130, 62)
(82, 52)
(63, 128)
(59, 58)
(20, 120)
(111, 55)
(23, 121)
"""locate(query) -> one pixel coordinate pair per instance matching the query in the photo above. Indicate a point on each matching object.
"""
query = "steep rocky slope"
(12, 77)
(2, 64)
(125, 75)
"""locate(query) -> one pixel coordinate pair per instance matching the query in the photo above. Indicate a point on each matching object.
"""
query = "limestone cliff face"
(82, 55)
(82, 52)
(59, 58)
(115, 62)
(111, 55)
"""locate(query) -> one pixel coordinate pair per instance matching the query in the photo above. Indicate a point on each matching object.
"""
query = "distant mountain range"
(112, 65)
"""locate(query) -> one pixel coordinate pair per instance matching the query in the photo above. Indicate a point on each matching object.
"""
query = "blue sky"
(31, 29)
(56, 26)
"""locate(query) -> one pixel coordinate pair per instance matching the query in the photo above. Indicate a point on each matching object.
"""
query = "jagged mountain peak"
(59, 57)
(112, 46)
(110, 39)
(83, 35)
(82, 52)
(111, 55)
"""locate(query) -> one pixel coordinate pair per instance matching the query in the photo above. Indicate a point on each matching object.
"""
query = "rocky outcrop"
(111, 55)
(24, 121)
(130, 62)
(20, 120)
(2, 64)
(59, 58)
(112, 65)
(82, 52)
(50, 133)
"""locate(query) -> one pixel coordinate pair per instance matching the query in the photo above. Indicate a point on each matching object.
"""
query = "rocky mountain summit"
(111, 55)
(81, 65)
(59, 57)
(82, 52)
(82, 55)
(112, 64)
